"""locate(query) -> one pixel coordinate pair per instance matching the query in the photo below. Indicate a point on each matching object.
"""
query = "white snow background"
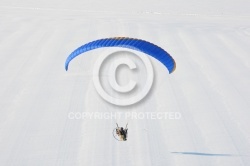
(209, 40)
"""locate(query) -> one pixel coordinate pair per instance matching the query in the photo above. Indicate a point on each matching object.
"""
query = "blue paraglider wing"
(131, 43)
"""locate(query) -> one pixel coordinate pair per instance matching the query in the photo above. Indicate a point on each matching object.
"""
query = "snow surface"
(210, 41)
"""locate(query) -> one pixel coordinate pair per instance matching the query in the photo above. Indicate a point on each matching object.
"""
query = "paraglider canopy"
(125, 42)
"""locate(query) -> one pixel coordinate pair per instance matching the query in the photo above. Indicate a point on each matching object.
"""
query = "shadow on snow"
(206, 154)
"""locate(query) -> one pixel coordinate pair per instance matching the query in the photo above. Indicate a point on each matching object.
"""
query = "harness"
(124, 133)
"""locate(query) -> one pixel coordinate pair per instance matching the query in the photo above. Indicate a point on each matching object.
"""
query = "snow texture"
(209, 40)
